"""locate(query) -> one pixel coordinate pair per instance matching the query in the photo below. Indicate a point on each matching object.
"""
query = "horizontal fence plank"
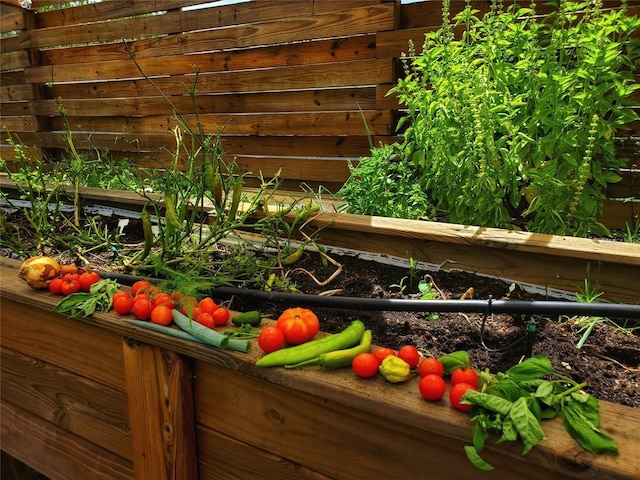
(357, 72)
(14, 60)
(15, 93)
(97, 66)
(322, 123)
(331, 99)
(20, 123)
(11, 20)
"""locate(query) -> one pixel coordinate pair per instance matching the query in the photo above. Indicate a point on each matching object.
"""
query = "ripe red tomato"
(161, 315)
(365, 365)
(299, 325)
(456, 393)
(409, 354)
(87, 279)
(69, 286)
(163, 298)
(139, 287)
(142, 308)
(271, 339)
(122, 304)
(220, 316)
(55, 286)
(71, 276)
(383, 352)
(430, 365)
(432, 387)
(207, 305)
(204, 318)
(465, 375)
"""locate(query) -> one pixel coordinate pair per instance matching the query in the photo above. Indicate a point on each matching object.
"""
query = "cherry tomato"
(163, 298)
(119, 294)
(430, 365)
(220, 316)
(204, 318)
(409, 354)
(465, 375)
(55, 286)
(432, 387)
(139, 287)
(71, 276)
(271, 339)
(299, 325)
(142, 308)
(69, 286)
(456, 393)
(365, 365)
(207, 305)
(122, 304)
(186, 304)
(87, 279)
(383, 352)
(161, 315)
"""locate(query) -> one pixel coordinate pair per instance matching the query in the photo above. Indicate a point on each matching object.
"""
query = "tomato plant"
(69, 286)
(141, 308)
(432, 387)
(87, 279)
(220, 316)
(409, 354)
(139, 287)
(365, 365)
(299, 325)
(161, 315)
(456, 393)
(271, 339)
(465, 375)
(430, 365)
(383, 352)
(55, 286)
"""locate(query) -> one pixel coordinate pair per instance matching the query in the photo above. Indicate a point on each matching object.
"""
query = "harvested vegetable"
(207, 335)
(83, 304)
(349, 337)
(38, 271)
(394, 369)
(339, 358)
(299, 325)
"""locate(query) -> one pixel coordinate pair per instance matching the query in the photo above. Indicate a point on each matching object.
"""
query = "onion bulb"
(38, 271)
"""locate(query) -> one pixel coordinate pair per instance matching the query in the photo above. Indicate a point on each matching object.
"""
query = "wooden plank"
(324, 6)
(69, 344)
(355, 73)
(322, 123)
(222, 456)
(76, 404)
(14, 60)
(11, 21)
(311, 415)
(161, 413)
(14, 469)
(14, 109)
(617, 214)
(22, 123)
(15, 93)
(97, 64)
(331, 99)
(54, 452)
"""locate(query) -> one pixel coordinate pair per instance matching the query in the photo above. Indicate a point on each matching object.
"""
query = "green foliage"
(513, 123)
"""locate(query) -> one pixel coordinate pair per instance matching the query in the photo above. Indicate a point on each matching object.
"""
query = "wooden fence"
(298, 86)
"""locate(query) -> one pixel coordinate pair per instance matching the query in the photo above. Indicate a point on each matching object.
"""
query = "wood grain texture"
(161, 412)
(55, 452)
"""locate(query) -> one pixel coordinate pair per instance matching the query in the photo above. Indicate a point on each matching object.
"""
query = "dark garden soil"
(609, 360)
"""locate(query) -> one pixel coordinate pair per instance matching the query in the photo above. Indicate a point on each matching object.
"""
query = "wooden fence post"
(161, 413)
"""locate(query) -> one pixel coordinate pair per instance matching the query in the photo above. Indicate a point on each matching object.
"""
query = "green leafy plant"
(513, 123)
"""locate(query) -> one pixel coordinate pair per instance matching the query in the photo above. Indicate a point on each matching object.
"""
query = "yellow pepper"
(395, 369)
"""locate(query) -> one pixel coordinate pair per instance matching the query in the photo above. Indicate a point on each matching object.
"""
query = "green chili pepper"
(394, 369)
(294, 257)
(147, 230)
(171, 216)
(235, 200)
(349, 337)
(339, 358)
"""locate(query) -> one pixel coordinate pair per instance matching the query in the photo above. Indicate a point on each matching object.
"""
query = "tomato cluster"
(366, 365)
(148, 302)
(294, 326)
(73, 282)
(433, 387)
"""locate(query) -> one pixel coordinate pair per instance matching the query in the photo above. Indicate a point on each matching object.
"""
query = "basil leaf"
(454, 360)
(530, 368)
(479, 436)
(475, 459)
(509, 433)
(586, 433)
(488, 401)
(526, 424)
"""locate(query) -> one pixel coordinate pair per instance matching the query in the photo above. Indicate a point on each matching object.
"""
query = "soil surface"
(609, 360)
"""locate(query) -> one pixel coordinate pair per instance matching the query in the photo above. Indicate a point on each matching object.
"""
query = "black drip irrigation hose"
(487, 307)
